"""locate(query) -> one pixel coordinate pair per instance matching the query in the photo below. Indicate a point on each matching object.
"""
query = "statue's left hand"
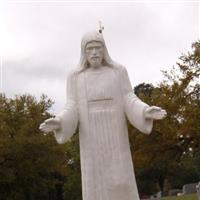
(154, 112)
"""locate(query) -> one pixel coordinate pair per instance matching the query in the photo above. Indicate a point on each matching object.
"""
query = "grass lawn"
(184, 197)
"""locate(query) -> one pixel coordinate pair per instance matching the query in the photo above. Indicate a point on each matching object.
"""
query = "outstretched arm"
(155, 113)
(49, 125)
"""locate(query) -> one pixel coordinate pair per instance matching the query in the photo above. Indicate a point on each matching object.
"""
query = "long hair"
(97, 37)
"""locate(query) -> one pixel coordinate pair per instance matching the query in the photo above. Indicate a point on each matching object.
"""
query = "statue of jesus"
(100, 100)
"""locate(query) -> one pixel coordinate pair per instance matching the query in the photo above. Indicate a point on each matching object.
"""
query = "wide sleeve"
(69, 116)
(133, 106)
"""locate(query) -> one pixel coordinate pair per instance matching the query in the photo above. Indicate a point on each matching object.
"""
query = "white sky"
(40, 42)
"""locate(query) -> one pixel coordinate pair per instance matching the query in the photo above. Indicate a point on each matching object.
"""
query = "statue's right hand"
(49, 125)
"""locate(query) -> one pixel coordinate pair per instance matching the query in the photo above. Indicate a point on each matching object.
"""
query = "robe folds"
(100, 101)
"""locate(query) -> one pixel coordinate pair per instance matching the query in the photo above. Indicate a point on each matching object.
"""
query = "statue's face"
(94, 53)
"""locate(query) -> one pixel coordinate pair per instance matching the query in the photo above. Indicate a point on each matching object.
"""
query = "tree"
(32, 166)
(160, 155)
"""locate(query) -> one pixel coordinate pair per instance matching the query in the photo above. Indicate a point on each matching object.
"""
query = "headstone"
(189, 188)
(198, 190)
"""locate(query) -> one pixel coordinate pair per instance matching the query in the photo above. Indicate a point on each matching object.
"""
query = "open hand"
(50, 125)
(154, 112)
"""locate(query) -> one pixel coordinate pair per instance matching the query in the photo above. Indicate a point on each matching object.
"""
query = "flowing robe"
(100, 101)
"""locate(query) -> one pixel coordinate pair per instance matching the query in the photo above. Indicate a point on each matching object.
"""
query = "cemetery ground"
(184, 197)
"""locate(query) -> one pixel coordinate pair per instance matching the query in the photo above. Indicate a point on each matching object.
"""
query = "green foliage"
(184, 197)
(161, 157)
(72, 186)
(31, 164)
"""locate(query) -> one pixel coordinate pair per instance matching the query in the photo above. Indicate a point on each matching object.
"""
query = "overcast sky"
(41, 41)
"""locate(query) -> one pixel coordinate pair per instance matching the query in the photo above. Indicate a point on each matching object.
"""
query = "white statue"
(100, 99)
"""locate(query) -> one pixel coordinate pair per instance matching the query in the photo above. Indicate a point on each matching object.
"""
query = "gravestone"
(189, 188)
(198, 190)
